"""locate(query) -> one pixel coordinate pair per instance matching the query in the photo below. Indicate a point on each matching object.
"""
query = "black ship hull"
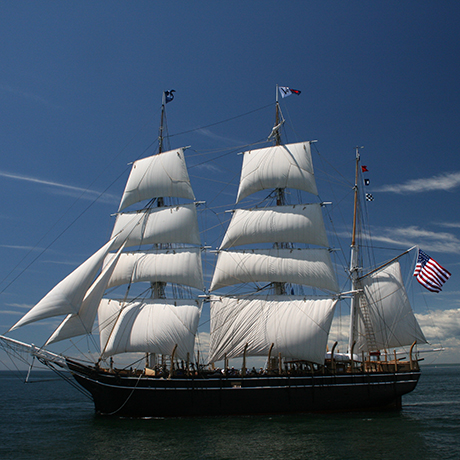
(141, 396)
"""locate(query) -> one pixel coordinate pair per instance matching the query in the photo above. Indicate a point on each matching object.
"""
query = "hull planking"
(141, 396)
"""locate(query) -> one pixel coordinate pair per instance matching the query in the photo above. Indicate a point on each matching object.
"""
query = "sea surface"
(49, 419)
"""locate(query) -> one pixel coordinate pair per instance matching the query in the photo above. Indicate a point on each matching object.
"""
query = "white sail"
(81, 323)
(279, 166)
(180, 266)
(310, 267)
(291, 223)
(159, 175)
(298, 327)
(154, 326)
(389, 320)
(66, 297)
(107, 315)
(175, 224)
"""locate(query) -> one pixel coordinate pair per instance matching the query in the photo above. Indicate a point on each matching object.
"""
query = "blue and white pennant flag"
(286, 91)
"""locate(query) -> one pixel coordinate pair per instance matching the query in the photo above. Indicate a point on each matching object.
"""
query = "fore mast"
(158, 287)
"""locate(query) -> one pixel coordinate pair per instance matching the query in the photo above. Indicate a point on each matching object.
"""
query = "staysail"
(67, 296)
(81, 323)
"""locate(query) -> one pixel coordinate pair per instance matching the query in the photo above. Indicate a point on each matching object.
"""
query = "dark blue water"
(51, 420)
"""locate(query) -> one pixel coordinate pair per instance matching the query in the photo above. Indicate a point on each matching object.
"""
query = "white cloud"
(209, 134)
(24, 248)
(64, 188)
(442, 329)
(445, 181)
(11, 312)
(207, 167)
(442, 242)
(440, 325)
(24, 94)
(450, 224)
(25, 306)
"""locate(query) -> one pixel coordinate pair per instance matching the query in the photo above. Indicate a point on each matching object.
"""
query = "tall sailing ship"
(279, 258)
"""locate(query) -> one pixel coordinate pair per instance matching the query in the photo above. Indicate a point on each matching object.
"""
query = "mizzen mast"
(354, 269)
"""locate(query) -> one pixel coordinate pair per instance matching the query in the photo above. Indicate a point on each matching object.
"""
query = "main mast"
(280, 288)
(293, 326)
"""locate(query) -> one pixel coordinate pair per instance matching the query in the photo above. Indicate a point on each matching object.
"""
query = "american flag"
(429, 273)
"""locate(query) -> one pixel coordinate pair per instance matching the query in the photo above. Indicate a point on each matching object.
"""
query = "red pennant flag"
(364, 169)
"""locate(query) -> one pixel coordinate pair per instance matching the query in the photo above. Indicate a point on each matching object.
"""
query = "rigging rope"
(222, 121)
(103, 193)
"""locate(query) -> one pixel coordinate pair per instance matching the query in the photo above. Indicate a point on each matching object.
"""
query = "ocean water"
(49, 419)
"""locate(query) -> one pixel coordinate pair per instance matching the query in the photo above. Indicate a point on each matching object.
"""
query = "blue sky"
(80, 90)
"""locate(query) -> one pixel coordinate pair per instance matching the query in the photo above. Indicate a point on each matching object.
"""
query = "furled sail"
(279, 166)
(180, 265)
(153, 325)
(291, 223)
(81, 323)
(386, 319)
(67, 296)
(161, 175)
(310, 267)
(298, 327)
(172, 224)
